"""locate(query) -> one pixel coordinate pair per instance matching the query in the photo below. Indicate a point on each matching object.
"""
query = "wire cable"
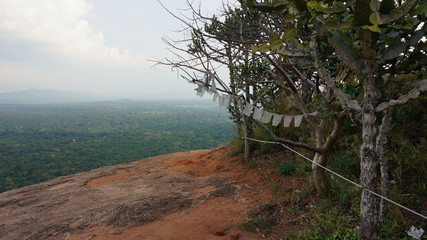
(340, 176)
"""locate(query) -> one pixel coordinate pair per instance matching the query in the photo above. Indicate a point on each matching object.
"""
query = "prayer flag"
(200, 91)
(287, 120)
(220, 100)
(266, 117)
(276, 119)
(213, 87)
(298, 120)
(227, 100)
(258, 114)
(215, 97)
(248, 109)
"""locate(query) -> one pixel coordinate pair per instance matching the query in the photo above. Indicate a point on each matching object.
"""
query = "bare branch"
(344, 98)
(419, 87)
(302, 77)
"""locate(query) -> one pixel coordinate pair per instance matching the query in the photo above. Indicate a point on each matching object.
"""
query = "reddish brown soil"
(190, 195)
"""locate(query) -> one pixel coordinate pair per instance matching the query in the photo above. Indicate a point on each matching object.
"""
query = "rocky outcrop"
(127, 201)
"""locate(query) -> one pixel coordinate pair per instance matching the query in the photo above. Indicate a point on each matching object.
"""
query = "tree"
(247, 43)
(373, 55)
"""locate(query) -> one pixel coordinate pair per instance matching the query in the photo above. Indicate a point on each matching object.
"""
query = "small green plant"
(237, 144)
(267, 206)
(259, 133)
(250, 163)
(286, 168)
(330, 225)
(274, 188)
(255, 224)
(347, 195)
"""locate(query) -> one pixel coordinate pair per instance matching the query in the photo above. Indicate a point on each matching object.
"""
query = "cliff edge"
(188, 195)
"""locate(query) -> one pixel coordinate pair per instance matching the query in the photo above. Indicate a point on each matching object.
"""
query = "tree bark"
(246, 134)
(383, 159)
(319, 175)
(369, 162)
(368, 177)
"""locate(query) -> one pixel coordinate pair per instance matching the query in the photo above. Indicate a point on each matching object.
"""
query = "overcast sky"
(99, 46)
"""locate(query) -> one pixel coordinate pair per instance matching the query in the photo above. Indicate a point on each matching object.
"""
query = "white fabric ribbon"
(258, 114)
(213, 87)
(287, 119)
(227, 100)
(298, 120)
(200, 90)
(215, 97)
(266, 117)
(248, 109)
(276, 119)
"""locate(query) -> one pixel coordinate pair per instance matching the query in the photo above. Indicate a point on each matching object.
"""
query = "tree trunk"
(319, 175)
(368, 179)
(369, 161)
(380, 151)
(246, 134)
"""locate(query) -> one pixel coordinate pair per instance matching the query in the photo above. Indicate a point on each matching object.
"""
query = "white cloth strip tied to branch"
(213, 87)
(261, 115)
(258, 114)
(287, 119)
(220, 100)
(200, 90)
(266, 117)
(276, 119)
(248, 109)
(298, 120)
(227, 100)
(215, 97)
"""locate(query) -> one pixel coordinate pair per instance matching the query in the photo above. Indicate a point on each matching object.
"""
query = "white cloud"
(60, 27)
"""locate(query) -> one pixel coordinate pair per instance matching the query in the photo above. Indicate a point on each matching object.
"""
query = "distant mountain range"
(47, 96)
(50, 96)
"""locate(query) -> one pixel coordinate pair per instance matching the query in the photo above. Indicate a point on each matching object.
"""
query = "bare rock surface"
(187, 195)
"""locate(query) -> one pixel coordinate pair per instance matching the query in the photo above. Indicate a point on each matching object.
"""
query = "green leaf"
(289, 34)
(407, 26)
(395, 14)
(373, 28)
(255, 48)
(289, 17)
(276, 44)
(375, 5)
(331, 25)
(315, 5)
(375, 18)
(263, 48)
(422, 9)
(345, 25)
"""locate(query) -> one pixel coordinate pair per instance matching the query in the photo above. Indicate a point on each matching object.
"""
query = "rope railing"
(340, 176)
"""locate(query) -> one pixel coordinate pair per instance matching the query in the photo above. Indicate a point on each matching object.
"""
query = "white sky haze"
(100, 46)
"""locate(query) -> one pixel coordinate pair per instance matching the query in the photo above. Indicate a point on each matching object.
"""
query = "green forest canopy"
(44, 142)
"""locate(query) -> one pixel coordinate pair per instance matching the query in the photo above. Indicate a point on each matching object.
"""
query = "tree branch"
(419, 87)
(336, 131)
(342, 96)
